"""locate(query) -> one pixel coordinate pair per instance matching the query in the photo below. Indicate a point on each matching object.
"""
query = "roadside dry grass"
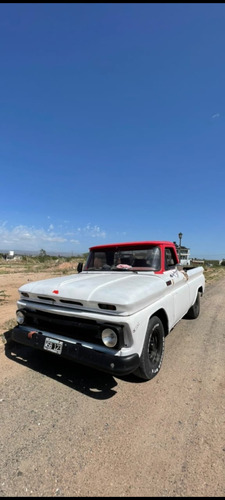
(67, 266)
(214, 273)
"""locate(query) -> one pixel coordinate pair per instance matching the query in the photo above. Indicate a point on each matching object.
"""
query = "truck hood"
(127, 291)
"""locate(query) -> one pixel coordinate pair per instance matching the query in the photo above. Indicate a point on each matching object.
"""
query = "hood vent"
(110, 307)
(72, 302)
(46, 299)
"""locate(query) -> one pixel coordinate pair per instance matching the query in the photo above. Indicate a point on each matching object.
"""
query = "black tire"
(153, 350)
(194, 310)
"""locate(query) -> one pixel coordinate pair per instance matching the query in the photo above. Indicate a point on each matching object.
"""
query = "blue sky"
(112, 125)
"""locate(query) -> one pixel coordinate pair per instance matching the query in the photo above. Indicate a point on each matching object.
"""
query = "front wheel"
(153, 350)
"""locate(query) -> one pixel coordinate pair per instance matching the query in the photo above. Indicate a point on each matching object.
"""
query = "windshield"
(116, 259)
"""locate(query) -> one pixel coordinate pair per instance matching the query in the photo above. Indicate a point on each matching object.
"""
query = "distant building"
(11, 254)
(183, 254)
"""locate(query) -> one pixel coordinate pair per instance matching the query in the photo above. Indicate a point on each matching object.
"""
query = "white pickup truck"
(116, 311)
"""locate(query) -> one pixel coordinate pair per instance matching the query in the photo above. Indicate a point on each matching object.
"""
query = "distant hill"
(35, 253)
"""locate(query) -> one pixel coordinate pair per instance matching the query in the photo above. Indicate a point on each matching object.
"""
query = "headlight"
(20, 317)
(109, 337)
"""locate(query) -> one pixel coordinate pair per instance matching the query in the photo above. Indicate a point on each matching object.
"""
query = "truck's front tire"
(153, 350)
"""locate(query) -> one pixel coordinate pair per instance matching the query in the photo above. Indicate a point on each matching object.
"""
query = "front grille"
(85, 330)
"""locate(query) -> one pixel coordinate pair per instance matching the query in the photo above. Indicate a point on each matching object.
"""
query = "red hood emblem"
(55, 291)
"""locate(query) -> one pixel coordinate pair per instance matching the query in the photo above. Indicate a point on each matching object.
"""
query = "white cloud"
(94, 231)
(26, 238)
(216, 115)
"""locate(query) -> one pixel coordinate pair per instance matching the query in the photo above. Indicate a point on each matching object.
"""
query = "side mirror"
(79, 267)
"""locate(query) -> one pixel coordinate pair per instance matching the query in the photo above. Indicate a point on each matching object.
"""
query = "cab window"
(170, 259)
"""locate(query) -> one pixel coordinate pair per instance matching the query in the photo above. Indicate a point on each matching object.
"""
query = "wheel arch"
(199, 291)
(161, 313)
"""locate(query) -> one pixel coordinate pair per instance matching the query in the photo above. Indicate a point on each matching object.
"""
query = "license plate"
(53, 345)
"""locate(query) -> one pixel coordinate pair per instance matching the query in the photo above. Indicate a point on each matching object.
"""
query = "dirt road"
(71, 431)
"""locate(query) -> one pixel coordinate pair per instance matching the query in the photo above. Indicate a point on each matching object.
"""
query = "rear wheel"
(153, 350)
(194, 310)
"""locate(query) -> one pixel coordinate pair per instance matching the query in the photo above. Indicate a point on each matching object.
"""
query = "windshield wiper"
(105, 267)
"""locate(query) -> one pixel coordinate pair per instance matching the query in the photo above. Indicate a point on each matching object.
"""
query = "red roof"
(133, 244)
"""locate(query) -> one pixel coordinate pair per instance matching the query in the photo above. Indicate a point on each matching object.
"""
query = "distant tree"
(42, 253)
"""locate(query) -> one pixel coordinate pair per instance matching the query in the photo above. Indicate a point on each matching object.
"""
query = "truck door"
(179, 286)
